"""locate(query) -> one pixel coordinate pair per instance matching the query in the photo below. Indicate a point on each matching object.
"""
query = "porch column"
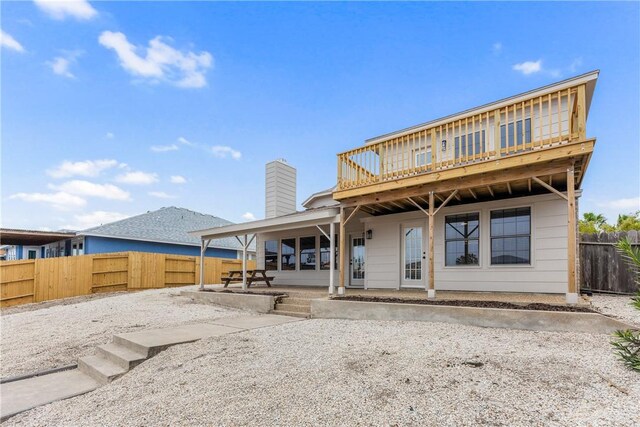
(341, 251)
(332, 256)
(572, 290)
(431, 291)
(244, 263)
(203, 248)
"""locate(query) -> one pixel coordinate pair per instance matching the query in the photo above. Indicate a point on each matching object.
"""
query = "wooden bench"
(253, 276)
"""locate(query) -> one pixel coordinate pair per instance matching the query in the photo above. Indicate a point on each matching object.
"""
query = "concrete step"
(294, 307)
(292, 313)
(120, 355)
(297, 301)
(100, 369)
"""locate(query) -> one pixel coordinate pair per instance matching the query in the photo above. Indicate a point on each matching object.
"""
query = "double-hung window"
(423, 157)
(511, 236)
(512, 134)
(325, 253)
(288, 254)
(471, 144)
(462, 236)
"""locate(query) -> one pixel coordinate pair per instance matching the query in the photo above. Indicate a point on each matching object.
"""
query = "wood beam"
(550, 188)
(446, 201)
(566, 151)
(470, 190)
(572, 288)
(431, 291)
(529, 184)
(352, 214)
(418, 206)
(439, 197)
(509, 187)
(483, 180)
(490, 191)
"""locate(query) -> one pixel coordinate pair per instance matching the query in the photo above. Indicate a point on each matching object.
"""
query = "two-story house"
(481, 200)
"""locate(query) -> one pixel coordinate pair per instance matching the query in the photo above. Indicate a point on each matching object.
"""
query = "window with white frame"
(423, 157)
(512, 134)
(271, 255)
(511, 236)
(462, 239)
(308, 253)
(288, 254)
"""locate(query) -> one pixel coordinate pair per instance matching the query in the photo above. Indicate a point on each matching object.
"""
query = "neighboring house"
(482, 200)
(33, 244)
(165, 230)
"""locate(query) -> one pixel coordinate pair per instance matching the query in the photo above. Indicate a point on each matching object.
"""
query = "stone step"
(297, 301)
(100, 369)
(293, 307)
(120, 355)
(292, 314)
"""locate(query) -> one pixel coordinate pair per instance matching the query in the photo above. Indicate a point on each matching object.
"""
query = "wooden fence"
(602, 268)
(47, 279)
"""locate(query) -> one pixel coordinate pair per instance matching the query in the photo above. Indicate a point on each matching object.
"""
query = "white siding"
(280, 189)
(547, 272)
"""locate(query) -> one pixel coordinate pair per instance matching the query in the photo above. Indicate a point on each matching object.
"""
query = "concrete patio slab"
(20, 396)
(151, 342)
(253, 322)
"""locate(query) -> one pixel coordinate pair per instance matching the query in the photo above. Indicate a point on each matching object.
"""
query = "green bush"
(627, 343)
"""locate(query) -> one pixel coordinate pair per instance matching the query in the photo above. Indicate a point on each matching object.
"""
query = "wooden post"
(203, 248)
(431, 292)
(497, 143)
(244, 263)
(341, 251)
(572, 292)
(332, 256)
(582, 113)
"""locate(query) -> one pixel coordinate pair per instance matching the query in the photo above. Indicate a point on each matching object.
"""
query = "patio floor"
(409, 294)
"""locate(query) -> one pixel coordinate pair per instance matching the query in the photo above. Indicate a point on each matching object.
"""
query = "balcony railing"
(540, 122)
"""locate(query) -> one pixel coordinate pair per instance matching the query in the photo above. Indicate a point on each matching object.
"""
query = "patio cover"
(309, 218)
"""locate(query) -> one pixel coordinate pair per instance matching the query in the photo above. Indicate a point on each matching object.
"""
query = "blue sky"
(112, 109)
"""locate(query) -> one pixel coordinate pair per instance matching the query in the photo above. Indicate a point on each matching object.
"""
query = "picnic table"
(253, 276)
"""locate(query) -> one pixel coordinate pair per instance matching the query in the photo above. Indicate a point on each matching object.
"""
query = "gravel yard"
(334, 372)
(617, 306)
(48, 335)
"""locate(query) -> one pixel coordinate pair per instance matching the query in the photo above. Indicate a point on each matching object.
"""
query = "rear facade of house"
(482, 200)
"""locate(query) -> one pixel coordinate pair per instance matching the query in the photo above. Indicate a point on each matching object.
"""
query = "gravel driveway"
(43, 336)
(334, 372)
(618, 306)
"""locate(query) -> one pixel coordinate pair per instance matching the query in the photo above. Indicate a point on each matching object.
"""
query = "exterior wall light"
(369, 234)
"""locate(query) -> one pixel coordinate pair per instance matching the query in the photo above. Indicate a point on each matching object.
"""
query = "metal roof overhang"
(10, 236)
(282, 223)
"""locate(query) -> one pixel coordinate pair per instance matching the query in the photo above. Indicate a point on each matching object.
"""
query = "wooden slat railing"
(540, 122)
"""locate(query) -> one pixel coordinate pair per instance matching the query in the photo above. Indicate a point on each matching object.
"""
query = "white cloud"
(248, 216)
(91, 189)
(59, 200)
(529, 67)
(60, 64)
(496, 47)
(137, 178)
(575, 64)
(78, 9)
(109, 135)
(185, 141)
(164, 148)
(159, 61)
(93, 219)
(160, 195)
(9, 42)
(631, 204)
(222, 151)
(177, 179)
(90, 168)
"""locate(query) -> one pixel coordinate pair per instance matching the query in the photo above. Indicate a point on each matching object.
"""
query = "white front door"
(356, 261)
(413, 257)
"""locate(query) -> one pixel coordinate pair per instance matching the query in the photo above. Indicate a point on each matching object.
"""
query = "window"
(288, 254)
(325, 254)
(423, 157)
(271, 255)
(461, 235)
(470, 144)
(32, 254)
(511, 236)
(507, 136)
(308, 253)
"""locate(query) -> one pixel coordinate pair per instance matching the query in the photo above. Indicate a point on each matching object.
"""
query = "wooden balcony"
(541, 126)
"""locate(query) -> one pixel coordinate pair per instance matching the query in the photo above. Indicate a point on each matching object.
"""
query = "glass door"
(356, 263)
(413, 256)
